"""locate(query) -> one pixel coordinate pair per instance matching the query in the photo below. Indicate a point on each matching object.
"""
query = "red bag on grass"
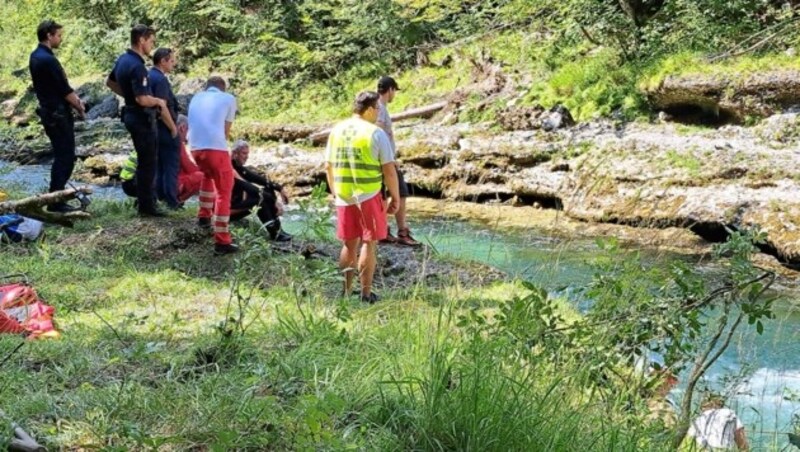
(22, 312)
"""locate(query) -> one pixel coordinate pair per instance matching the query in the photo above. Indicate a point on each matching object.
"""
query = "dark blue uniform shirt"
(131, 75)
(49, 80)
(161, 88)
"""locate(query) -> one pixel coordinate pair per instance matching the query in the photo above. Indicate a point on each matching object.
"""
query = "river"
(764, 400)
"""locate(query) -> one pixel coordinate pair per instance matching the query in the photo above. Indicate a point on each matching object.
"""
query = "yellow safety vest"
(128, 171)
(355, 170)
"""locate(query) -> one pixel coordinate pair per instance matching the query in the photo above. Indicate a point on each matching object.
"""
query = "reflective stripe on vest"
(355, 170)
(128, 171)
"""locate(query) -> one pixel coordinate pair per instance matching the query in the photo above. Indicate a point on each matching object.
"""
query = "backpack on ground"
(16, 228)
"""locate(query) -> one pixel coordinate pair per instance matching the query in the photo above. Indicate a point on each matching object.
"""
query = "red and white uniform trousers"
(215, 190)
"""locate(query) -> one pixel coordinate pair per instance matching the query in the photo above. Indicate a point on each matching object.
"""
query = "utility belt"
(143, 112)
(57, 111)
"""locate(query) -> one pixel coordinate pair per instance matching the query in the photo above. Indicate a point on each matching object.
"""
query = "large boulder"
(8, 107)
(183, 102)
(108, 108)
(189, 86)
(534, 117)
(92, 93)
(185, 89)
(20, 111)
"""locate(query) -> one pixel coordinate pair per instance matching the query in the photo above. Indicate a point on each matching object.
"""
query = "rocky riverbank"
(639, 174)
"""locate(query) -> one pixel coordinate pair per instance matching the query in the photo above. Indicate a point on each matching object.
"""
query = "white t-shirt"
(385, 122)
(715, 429)
(209, 110)
(381, 150)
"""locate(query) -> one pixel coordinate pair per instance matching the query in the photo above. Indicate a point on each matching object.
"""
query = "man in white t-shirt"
(211, 114)
(387, 88)
(717, 428)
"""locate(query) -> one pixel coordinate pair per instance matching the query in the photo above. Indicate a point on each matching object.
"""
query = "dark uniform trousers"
(266, 201)
(59, 127)
(169, 165)
(141, 124)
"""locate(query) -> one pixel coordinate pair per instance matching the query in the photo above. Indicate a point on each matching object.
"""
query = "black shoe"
(372, 298)
(282, 237)
(61, 207)
(204, 223)
(230, 248)
(154, 212)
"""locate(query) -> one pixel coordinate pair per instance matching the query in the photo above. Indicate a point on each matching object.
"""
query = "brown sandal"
(404, 238)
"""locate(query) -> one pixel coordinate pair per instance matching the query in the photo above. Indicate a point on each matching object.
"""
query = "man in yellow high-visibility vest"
(358, 160)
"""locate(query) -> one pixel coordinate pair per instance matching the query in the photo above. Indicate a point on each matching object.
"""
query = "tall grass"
(149, 358)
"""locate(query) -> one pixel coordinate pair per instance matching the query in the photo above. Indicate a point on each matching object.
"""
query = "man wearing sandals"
(358, 160)
(387, 88)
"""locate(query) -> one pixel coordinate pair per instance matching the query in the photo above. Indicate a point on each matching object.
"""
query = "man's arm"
(741, 439)
(59, 78)
(229, 118)
(382, 149)
(386, 129)
(390, 180)
(149, 101)
(383, 122)
(161, 91)
(228, 130)
(114, 86)
(111, 83)
(258, 179)
(329, 176)
(76, 103)
(247, 187)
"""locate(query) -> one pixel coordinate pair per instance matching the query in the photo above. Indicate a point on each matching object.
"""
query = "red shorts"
(365, 221)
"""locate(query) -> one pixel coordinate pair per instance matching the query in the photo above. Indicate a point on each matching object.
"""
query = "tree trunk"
(32, 206)
(421, 112)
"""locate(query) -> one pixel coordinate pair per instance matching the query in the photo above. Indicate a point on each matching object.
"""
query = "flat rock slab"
(760, 94)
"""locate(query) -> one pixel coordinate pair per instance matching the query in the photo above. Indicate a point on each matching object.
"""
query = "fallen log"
(270, 132)
(421, 112)
(32, 206)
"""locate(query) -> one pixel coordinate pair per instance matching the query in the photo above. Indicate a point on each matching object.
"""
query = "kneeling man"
(251, 189)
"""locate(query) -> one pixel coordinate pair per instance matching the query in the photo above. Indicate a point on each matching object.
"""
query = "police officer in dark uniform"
(55, 97)
(129, 80)
(168, 157)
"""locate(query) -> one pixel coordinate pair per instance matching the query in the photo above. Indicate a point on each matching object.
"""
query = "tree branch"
(697, 373)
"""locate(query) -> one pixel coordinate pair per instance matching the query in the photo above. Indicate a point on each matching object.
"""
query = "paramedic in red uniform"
(211, 114)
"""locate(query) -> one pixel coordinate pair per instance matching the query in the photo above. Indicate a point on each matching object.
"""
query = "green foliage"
(316, 212)
(592, 87)
(302, 61)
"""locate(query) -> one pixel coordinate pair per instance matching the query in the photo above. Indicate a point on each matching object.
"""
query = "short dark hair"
(365, 100)
(141, 31)
(162, 53)
(46, 28)
(386, 83)
(216, 81)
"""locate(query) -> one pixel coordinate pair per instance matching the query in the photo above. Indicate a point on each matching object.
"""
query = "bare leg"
(400, 215)
(347, 262)
(366, 266)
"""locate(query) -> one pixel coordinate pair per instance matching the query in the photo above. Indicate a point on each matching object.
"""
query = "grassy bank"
(165, 346)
